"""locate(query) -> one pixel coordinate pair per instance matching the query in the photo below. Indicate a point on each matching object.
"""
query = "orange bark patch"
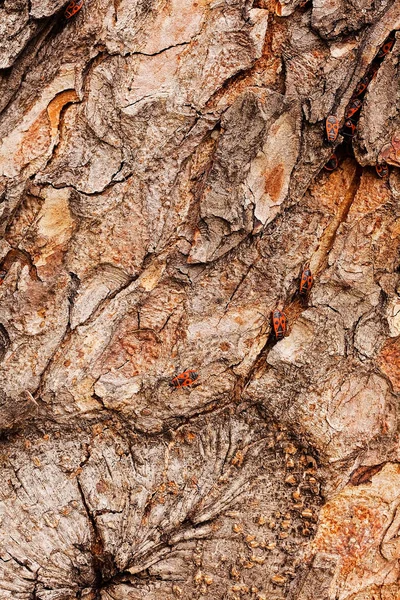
(343, 186)
(350, 531)
(57, 104)
(274, 182)
(330, 192)
(35, 142)
(375, 592)
(371, 195)
(389, 362)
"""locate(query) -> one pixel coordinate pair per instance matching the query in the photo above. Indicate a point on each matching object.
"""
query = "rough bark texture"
(161, 189)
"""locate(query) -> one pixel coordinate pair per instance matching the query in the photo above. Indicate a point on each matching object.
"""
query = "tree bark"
(162, 188)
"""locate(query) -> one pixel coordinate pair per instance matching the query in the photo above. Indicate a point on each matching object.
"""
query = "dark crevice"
(23, 63)
(353, 109)
(103, 565)
(108, 186)
(159, 51)
(34, 595)
(5, 341)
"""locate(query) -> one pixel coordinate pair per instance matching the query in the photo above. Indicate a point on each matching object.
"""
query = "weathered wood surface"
(161, 189)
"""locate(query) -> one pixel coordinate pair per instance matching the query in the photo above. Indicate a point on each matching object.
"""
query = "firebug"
(387, 46)
(306, 282)
(73, 7)
(332, 128)
(185, 379)
(353, 107)
(280, 324)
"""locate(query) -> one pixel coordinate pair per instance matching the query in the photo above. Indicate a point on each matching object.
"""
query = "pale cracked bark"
(161, 189)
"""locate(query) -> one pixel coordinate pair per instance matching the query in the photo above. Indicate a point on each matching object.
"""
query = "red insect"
(349, 129)
(2, 276)
(306, 282)
(353, 107)
(387, 46)
(280, 324)
(332, 163)
(361, 86)
(185, 379)
(332, 128)
(73, 7)
(382, 170)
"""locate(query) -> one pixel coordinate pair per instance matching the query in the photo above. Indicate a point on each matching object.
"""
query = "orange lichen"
(274, 182)
(375, 592)
(349, 530)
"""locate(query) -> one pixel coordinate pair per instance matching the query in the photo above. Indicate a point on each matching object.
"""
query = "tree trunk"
(162, 188)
